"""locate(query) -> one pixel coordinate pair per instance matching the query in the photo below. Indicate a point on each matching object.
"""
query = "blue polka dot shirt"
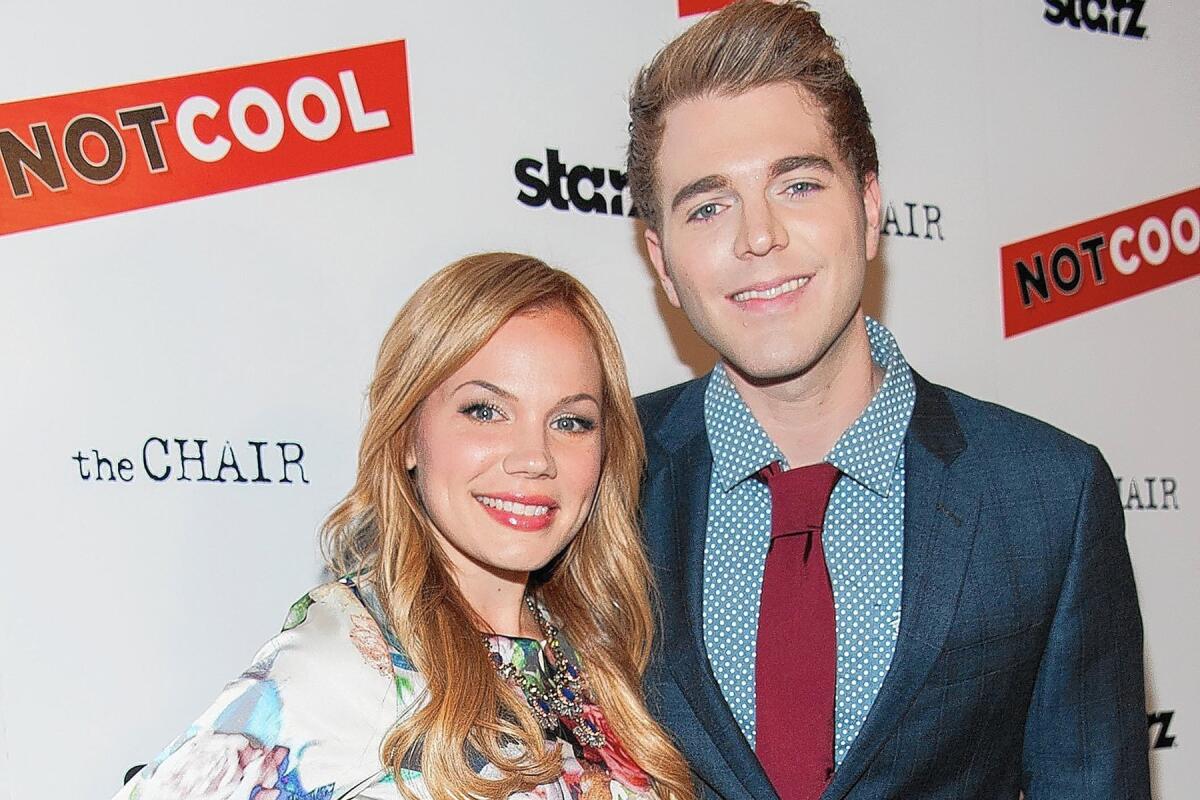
(863, 539)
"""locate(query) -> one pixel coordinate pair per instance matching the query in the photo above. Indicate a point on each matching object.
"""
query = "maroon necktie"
(796, 663)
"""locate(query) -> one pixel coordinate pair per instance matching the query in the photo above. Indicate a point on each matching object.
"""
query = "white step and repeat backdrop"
(210, 213)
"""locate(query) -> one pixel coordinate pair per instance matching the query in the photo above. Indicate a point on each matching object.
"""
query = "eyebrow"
(710, 183)
(577, 397)
(491, 387)
(786, 165)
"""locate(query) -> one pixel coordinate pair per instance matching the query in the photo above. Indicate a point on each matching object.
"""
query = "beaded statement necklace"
(561, 702)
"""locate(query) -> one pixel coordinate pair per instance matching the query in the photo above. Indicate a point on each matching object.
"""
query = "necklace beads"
(562, 700)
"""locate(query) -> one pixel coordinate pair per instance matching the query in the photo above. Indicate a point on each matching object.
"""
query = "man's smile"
(770, 290)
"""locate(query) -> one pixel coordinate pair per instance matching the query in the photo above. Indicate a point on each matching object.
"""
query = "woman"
(492, 518)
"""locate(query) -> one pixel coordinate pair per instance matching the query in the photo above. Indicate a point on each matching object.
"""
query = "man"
(872, 586)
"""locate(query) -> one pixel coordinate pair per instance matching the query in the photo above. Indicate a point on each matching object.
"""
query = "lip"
(778, 301)
(520, 522)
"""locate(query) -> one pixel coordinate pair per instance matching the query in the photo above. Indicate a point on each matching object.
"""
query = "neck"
(805, 414)
(498, 598)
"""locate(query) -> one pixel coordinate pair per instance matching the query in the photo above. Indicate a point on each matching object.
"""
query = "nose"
(530, 456)
(761, 230)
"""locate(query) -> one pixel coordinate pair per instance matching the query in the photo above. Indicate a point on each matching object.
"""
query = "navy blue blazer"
(1018, 664)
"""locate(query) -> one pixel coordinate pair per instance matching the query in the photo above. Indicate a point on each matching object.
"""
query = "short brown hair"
(749, 44)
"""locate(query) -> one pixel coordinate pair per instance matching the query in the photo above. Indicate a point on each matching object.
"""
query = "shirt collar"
(868, 451)
(740, 447)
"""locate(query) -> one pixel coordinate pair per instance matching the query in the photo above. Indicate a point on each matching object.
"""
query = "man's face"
(765, 231)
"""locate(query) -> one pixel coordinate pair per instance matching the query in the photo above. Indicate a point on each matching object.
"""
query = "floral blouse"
(307, 719)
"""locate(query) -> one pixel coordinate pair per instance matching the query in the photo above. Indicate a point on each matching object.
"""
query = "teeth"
(772, 293)
(509, 507)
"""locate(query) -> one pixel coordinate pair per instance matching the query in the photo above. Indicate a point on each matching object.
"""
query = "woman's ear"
(410, 448)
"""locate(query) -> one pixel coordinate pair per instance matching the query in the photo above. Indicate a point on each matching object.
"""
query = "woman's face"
(507, 451)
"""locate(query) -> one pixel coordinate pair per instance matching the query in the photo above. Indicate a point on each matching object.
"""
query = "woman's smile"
(522, 512)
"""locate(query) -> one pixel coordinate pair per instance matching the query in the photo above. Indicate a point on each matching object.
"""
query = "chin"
(516, 562)
(767, 356)
(771, 369)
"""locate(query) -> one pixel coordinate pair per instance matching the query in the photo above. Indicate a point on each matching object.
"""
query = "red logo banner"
(689, 7)
(105, 151)
(1077, 269)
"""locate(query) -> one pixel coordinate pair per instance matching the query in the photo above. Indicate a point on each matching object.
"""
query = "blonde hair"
(746, 45)
(598, 588)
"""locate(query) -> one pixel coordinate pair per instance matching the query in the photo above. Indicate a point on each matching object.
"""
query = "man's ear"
(655, 249)
(872, 208)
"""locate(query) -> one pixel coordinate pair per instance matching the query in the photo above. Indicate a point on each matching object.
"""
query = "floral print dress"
(307, 719)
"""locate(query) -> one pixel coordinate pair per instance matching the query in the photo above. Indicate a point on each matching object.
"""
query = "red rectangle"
(1080, 268)
(689, 7)
(194, 135)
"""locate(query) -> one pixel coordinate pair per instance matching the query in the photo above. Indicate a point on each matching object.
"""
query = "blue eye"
(801, 188)
(573, 424)
(704, 212)
(481, 412)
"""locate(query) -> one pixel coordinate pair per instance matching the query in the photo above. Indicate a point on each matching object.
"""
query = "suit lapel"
(941, 506)
(681, 480)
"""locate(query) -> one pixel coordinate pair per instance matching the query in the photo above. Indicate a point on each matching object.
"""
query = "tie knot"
(799, 496)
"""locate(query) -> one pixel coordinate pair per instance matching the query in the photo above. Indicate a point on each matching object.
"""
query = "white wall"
(254, 315)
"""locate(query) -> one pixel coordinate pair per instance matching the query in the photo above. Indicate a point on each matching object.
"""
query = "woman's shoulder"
(330, 624)
(343, 621)
(308, 715)
(348, 610)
